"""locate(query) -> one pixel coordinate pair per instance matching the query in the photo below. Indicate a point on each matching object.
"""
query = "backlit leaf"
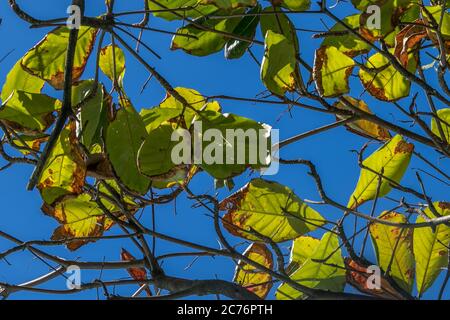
(392, 160)
(187, 8)
(20, 80)
(112, 63)
(444, 115)
(271, 210)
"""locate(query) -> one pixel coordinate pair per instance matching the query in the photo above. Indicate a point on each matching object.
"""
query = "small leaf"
(112, 63)
(251, 278)
(138, 274)
(29, 112)
(47, 59)
(65, 170)
(431, 248)
(271, 210)
(331, 71)
(187, 9)
(444, 115)
(28, 143)
(246, 28)
(392, 160)
(324, 269)
(295, 5)
(364, 128)
(124, 137)
(393, 247)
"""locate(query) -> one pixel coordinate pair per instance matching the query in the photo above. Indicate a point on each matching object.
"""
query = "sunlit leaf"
(363, 127)
(112, 63)
(185, 8)
(251, 278)
(47, 59)
(294, 5)
(324, 269)
(444, 115)
(331, 71)
(383, 81)
(29, 112)
(230, 4)
(20, 80)
(407, 39)
(65, 170)
(271, 210)
(393, 248)
(138, 274)
(302, 249)
(391, 160)
(431, 248)
(26, 144)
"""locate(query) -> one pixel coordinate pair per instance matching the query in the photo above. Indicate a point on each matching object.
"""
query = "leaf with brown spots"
(408, 39)
(391, 160)
(47, 59)
(251, 278)
(364, 128)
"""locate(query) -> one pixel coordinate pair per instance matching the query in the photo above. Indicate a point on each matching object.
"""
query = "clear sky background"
(331, 151)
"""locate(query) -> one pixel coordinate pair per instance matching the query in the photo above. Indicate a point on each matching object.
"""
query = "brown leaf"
(407, 39)
(138, 274)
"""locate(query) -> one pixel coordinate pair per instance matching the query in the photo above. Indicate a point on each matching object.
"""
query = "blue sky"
(20, 212)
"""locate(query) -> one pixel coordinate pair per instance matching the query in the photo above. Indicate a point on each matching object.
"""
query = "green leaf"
(28, 143)
(231, 143)
(80, 217)
(347, 43)
(383, 81)
(392, 160)
(29, 112)
(154, 157)
(302, 249)
(296, 5)
(47, 59)
(271, 210)
(431, 248)
(20, 80)
(188, 9)
(124, 137)
(279, 69)
(444, 115)
(316, 273)
(393, 248)
(92, 114)
(331, 71)
(112, 63)
(65, 171)
(246, 28)
(279, 24)
(202, 42)
(251, 278)
(230, 4)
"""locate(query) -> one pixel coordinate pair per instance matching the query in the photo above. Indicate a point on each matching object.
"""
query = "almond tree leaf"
(331, 71)
(80, 217)
(47, 59)
(324, 269)
(294, 5)
(279, 24)
(28, 143)
(407, 39)
(193, 10)
(394, 244)
(205, 42)
(251, 278)
(20, 80)
(124, 137)
(393, 159)
(431, 248)
(271, 210)
(383, 81)
(92, 115)
(235, 48)
(444, 115)
(433, 13)
(302, 249)
(65, 171)
(138, 274)
(237, 144)
(347, 43)
(279, 69)
(109, 60)
(364, 128)
(29, 112)
(360, 277)
(230, 4)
